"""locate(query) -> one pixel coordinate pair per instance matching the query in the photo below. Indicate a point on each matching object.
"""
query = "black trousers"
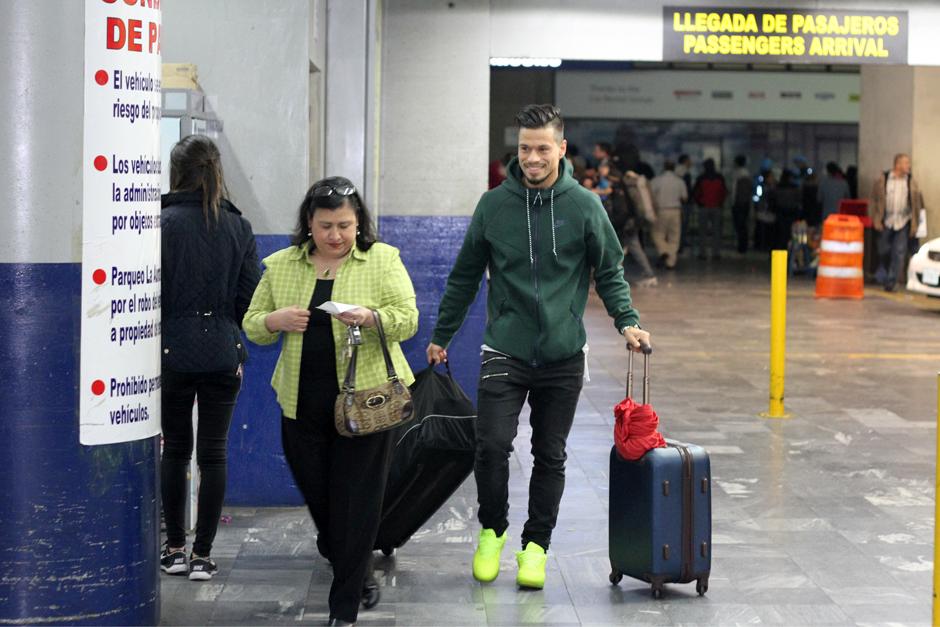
(216, 392)
(552, 391)
(740, 214)
(343, 483)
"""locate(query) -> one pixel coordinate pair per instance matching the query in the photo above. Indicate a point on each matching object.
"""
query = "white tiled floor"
(825, 518)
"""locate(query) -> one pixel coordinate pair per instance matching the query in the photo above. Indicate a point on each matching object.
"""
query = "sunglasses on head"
(328, 190)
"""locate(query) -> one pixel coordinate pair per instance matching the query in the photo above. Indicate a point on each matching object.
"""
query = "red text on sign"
(130, 35)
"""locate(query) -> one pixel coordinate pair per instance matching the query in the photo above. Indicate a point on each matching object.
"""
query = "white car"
(923, 273)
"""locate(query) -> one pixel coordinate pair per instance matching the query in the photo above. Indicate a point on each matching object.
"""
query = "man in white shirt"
(684, 172)
(895, 208)
(669, 194)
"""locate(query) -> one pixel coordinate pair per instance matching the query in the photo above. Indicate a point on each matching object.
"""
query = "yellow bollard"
(778, 333)
(936, 518)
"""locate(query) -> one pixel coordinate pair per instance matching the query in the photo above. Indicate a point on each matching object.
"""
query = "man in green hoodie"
(542, 236)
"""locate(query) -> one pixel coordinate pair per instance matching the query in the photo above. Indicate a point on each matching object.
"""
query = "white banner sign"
(120, 339)
(709, 95)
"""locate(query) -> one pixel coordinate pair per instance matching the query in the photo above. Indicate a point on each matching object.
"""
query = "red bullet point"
(99, 276)
(101, 77)
(97, 388)
(101, 163)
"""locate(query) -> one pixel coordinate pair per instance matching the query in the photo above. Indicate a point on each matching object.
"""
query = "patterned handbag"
(363, 412)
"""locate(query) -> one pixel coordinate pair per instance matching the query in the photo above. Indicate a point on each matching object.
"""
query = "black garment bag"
(433, 456)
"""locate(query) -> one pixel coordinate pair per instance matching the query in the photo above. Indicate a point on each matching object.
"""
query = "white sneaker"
(201, 568)
(173, 562)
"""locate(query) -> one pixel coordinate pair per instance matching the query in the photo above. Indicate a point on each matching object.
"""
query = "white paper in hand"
(334, 308)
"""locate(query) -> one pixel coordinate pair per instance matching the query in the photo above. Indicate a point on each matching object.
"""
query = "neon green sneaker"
(486, 557)
(531, 566)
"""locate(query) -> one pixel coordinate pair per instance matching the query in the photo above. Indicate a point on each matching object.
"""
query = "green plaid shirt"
(376, 279)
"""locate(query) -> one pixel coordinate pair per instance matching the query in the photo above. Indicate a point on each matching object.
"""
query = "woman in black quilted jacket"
(210, 270)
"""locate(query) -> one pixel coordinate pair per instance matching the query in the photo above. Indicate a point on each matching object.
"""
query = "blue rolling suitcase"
(660, 528)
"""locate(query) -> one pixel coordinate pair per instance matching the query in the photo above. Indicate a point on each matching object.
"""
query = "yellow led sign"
(784, 35)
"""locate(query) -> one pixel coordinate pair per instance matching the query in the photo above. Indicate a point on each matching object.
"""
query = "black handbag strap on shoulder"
(349, 383)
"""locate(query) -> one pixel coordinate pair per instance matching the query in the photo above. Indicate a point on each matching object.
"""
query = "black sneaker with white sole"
(201, 568)
(173, 562)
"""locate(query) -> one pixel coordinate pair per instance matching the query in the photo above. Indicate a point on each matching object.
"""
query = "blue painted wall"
(81, 523)
(258, 474)
(429, 246)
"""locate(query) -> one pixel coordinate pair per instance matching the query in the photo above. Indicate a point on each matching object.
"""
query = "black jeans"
(343, 483)
(216, 392)
(553, 392)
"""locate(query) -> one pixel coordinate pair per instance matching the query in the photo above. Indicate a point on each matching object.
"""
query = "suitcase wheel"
(615, 577)
(657, 591)
(701, 586)
(386, 551)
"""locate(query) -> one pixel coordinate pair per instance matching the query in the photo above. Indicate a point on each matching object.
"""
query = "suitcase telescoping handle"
(647, 351)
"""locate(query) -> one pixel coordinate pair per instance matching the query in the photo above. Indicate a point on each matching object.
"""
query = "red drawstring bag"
(635, 431)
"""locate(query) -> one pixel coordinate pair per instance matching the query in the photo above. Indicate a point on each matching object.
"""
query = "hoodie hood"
(539, 197)
(564, 183)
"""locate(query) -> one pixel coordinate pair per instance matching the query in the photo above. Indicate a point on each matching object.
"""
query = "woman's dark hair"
(332, 193)
(196, 166)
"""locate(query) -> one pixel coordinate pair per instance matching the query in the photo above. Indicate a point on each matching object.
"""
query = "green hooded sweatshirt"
(541, 247)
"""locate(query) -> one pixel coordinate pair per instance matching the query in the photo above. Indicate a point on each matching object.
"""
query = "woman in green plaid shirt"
(334, 256)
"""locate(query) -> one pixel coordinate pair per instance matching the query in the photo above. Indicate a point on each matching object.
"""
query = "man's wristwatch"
(623, 331)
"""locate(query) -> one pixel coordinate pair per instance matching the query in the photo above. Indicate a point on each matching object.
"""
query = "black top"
(209, 273)
(317, 386)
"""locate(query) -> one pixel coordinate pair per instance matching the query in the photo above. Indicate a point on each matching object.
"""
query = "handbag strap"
(389, 367)
(349, 383)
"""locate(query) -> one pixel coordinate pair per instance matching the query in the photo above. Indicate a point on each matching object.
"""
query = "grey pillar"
(351, 74)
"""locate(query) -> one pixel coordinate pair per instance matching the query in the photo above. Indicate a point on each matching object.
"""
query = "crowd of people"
(683, 209)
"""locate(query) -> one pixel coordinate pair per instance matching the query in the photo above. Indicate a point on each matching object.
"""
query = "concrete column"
(81, 524)
(925, 152)
(347, 80)
(434, 149)
(900, 112)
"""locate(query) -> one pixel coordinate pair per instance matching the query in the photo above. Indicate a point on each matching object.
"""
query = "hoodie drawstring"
(552, 204)
(528, 221)
(528, 224)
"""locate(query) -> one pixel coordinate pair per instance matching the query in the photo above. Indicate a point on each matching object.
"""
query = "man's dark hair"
(683, 158)
(540, 116)
(668, 165)
(606, 148)
(832, 168)
(740, 161)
